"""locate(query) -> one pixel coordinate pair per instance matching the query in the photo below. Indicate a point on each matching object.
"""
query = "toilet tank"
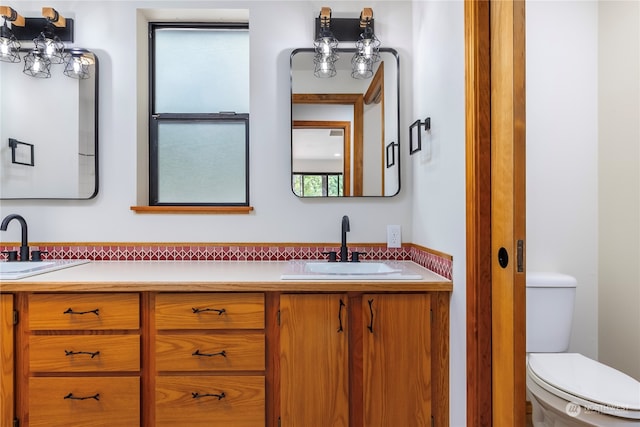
(550, 300)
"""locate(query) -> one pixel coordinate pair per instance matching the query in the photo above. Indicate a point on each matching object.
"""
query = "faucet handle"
(332, 255)
(355, 256)
(37, 255)
(11, 255)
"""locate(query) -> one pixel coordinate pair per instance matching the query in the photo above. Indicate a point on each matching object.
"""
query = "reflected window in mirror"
(199, 117)
(364, 111)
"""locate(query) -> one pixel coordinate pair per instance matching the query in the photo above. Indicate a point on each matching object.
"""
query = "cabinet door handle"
(220, 311)
(71, 311)
(72, 397)
(197, 395)
(222, 353)
(342, 304)
(90, 353)
(370, 326)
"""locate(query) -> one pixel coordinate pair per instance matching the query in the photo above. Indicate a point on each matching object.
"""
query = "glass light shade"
(9, 45)
(326, 44)
(325, 66)
(37, 65)
(50, 46)
(77, 65)
(368, 45)
(362, 68)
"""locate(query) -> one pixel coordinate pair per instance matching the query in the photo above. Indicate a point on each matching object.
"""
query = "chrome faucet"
(344, 251)
(24, 245)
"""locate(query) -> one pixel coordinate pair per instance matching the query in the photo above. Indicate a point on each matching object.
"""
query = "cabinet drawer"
(200, 352)
(84, 402)
(84, 353)
(84, 311)
(236, 401)
(209, 311)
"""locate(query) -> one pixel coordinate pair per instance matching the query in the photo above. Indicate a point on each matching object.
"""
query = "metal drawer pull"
(220, 311)
(200, 396)
(90, 353)
(370, 326)
(342, 304)
(70, 311)
(72, 397)
(223, 353)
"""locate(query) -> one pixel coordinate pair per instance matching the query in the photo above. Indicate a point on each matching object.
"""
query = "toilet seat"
(576, 378)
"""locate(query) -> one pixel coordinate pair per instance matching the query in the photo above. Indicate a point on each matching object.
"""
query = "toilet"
(569, 389)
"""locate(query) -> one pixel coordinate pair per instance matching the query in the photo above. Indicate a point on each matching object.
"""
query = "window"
(317, 184)
(199, 114)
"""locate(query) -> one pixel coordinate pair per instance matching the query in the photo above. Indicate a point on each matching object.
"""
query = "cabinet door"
(314, 360)
(396, 360)
(6, 360)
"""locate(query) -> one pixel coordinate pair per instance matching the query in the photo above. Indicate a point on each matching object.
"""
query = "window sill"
(192, 209)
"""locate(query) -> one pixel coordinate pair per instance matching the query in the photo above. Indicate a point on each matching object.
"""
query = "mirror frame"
(95, 115)
(357, 101)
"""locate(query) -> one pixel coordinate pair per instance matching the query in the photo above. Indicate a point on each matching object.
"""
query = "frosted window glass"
(201, 70)
(202, 162)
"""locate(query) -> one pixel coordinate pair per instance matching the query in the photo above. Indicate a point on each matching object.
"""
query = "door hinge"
(431, 314)
(16, 422)
(520, 256)
(16, 317)
(433, 421)
(279, 422)
(278, 317)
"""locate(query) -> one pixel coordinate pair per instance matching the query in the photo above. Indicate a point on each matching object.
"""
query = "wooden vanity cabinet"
(240, 358)
(209, 359)
(81, 356)
(362, 360)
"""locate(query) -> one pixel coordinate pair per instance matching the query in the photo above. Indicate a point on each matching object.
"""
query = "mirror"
(344, 131)
(48, 133)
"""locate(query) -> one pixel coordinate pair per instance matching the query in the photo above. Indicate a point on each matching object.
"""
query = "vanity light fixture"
(367, 48)
(325, 46)
(48, 35)
(9, 44)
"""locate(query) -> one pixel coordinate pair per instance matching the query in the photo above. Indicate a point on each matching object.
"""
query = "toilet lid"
(582, 377)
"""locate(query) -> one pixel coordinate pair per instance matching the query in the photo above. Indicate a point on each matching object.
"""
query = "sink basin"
(20, 270)
(348, 268)
(365, 270)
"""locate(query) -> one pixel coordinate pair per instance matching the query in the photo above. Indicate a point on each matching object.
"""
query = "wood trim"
(192, 209)
(440, 338)
(357, 101)
(478, 189)
(508, 210)
(7, 367)
(346, 148)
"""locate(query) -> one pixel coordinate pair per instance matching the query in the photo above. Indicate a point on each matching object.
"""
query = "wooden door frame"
(495, 58)
(346, 145)
(356, 100)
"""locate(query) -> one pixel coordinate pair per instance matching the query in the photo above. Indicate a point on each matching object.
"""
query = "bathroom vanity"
(189, 343)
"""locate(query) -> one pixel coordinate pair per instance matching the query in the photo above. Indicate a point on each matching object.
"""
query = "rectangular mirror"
(49, 130)
(345, 134)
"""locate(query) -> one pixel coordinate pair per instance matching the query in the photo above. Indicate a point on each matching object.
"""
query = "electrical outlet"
(394, 236)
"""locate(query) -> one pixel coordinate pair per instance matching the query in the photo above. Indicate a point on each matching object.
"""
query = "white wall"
(434, 216)
(619, 185)
(439, 169)
(562, 152)
(109, 29)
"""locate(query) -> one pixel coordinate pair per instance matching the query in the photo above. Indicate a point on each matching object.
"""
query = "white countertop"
(246, 276)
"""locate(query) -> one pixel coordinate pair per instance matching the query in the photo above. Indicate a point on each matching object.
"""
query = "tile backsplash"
(432, 260)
